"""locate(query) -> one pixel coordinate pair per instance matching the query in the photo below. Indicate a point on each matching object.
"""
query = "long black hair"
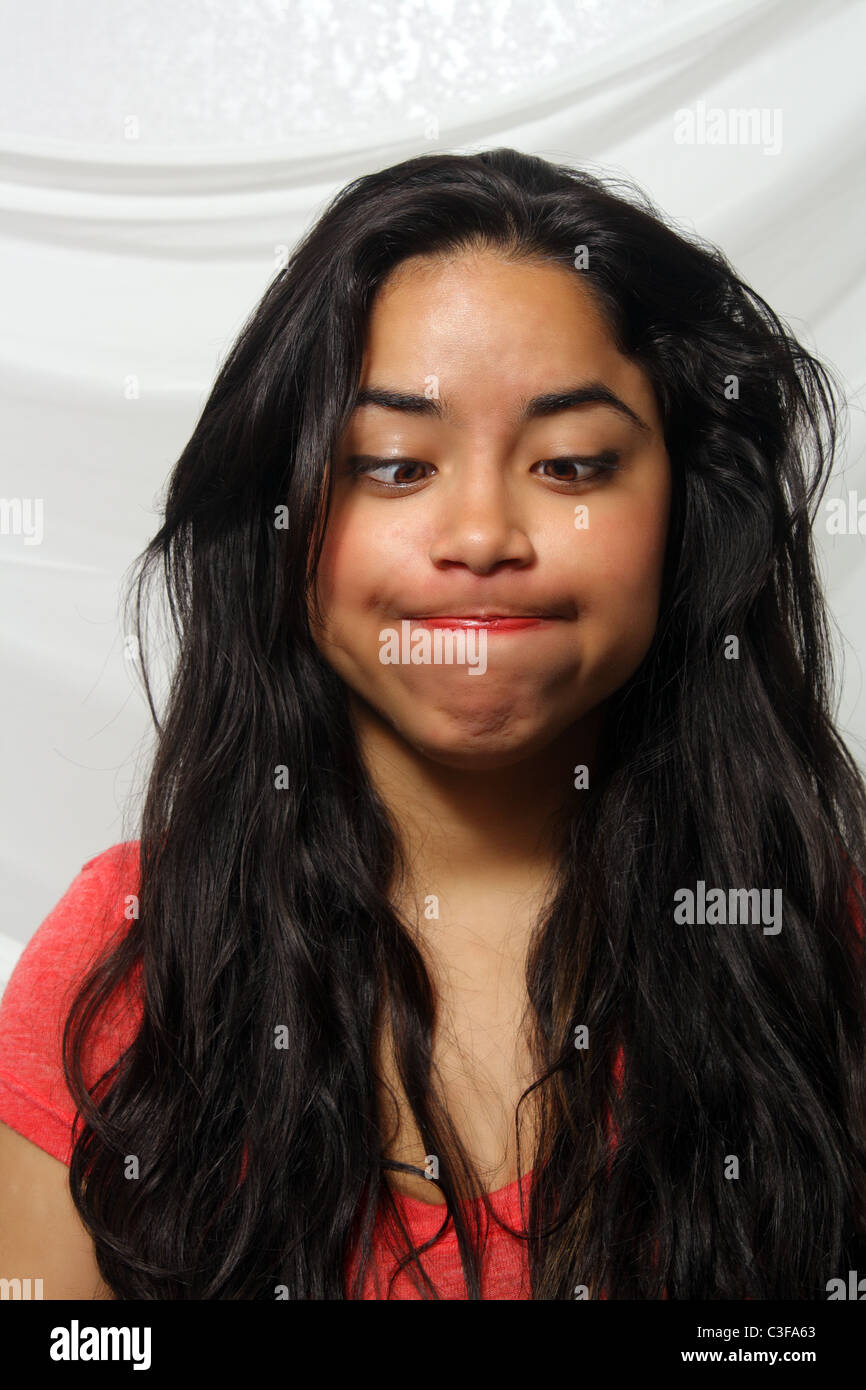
(262, 899)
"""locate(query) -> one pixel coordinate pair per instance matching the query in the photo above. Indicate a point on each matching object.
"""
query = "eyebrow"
(535, 408)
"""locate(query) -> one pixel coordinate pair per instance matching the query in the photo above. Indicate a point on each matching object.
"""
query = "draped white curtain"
(141, 220)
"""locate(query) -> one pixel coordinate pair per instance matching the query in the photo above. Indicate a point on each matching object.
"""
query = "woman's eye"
(571, 469)
(364, 463)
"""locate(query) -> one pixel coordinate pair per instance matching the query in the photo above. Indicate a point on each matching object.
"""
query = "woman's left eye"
(605, 462)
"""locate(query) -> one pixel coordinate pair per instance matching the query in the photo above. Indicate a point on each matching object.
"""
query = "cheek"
(335, 562)
(617, 567)
(358, 564)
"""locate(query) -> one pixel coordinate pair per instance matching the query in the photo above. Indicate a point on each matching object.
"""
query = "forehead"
(437, 288)
(477, 334)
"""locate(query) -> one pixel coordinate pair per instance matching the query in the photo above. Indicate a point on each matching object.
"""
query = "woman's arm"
(41, 1234)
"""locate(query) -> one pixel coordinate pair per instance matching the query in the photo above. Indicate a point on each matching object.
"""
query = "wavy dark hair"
(258, 907)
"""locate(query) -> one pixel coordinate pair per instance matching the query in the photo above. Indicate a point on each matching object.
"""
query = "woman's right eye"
(368, 464)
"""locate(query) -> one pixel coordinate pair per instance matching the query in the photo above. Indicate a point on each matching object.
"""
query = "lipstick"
(488, 624)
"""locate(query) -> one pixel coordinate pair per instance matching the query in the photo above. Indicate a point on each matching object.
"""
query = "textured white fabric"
(143, 205)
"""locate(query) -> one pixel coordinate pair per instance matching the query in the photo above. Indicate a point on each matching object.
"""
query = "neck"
(473, 836)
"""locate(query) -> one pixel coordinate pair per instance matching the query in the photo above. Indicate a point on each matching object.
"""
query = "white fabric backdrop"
(128, 265)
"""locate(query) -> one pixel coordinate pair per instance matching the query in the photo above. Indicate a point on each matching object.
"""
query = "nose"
(479, 523)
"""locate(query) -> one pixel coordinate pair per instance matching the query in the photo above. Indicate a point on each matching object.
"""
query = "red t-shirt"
(34, 1099)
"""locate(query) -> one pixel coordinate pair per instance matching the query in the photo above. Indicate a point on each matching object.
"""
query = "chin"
(467, 741)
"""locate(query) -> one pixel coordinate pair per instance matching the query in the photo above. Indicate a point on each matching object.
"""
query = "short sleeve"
(34, 1098)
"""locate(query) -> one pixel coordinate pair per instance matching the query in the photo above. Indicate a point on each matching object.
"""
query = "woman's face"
(473, 499)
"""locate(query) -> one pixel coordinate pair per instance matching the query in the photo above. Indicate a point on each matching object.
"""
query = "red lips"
(505, 624)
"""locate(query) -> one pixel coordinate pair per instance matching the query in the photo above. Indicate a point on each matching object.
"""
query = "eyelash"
(605, 462)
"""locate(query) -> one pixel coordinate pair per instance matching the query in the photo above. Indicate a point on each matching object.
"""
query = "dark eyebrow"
(593, 393)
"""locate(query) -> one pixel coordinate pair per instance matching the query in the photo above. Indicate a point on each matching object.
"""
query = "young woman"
(493, 926)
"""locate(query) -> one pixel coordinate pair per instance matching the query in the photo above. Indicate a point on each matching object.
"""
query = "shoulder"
(96, 906)
(79, 925)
